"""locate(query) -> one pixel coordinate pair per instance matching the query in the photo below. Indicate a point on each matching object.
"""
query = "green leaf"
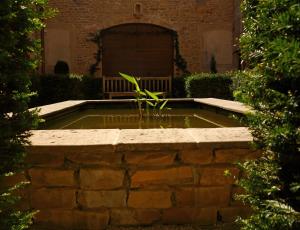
(128, 78)
(163, 105)
(152, 95)
(150, 103)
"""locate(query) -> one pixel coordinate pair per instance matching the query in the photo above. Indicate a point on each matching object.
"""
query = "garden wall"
(135, 177)
(204, 27)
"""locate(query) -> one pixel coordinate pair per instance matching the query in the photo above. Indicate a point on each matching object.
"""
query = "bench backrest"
(154, 84)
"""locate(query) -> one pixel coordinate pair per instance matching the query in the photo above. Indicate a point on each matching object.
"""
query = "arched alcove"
(144, 50)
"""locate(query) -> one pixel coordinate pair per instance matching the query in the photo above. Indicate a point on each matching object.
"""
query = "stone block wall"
(205, 28)
(92, 187)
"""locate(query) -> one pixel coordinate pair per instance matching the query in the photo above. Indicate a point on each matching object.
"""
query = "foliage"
(204, 85)
(18, 57)
(270, 46)
(61, 67)
(97, 39)
(141, 97)
(213, 64)
(180, 62)
(56, 88)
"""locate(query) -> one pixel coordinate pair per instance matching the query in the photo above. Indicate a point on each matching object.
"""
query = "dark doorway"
(138, 49)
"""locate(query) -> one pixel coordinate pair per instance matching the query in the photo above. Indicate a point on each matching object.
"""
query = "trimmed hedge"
(56, 88)
(205, 85)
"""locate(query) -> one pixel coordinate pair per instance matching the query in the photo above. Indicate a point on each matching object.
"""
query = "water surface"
(99, 118)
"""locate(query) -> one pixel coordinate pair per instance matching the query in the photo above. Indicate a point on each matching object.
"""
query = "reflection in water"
(129, 119)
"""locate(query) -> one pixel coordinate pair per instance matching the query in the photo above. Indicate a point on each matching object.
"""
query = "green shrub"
(91, 88)
(56, 88)
(18, 57)
(209, 85)
(270, 46)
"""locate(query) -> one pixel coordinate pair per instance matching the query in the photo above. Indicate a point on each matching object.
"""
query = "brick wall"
(92, 187)
(205, 27)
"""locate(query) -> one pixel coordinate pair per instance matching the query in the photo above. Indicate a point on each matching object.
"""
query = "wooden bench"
(119, 87)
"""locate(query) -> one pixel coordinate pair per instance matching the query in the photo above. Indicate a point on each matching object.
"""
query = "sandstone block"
(149, 199)
(211, 176)
(53, 198)
(203, 196)
(101, 178)
(197, 156)
(95, 156)
(121, 217)
(106, 199)
(150, 158)
(49, 177)
(235, 155)
(67, 219)
(201, 216)
(44, 156)
(171, 176)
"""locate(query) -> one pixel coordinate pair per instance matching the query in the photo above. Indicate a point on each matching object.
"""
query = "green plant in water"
(141, 96)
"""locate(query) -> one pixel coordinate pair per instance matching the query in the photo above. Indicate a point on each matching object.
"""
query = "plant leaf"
(163, 105)
(152, 95)
(150, 103)
(128, 78)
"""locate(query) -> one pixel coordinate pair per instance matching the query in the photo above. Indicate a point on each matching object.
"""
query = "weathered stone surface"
(53, 198)
(230, 214)
(72, 219)
(156, 139)
(149, 199)
(201, 216)
(203, 196)
(234, 106)
(94, 156)
(101, 178)
(222, 136)
(150, 158)
(121, 217)
(106, 199)
(235, 155)
(60, 106)
(44, 156)
(50, 178)
(197, 156)
(171, 176)
(78, 137)
(211, 176)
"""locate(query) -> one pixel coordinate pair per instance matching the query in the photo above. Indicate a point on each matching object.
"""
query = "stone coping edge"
(55, 108)
(143, 138)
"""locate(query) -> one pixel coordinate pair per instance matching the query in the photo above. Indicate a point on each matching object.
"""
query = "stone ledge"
(46, 110)
(233, 106)
(139, 137)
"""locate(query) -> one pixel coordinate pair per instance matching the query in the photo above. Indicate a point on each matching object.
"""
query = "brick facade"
(204, 27)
